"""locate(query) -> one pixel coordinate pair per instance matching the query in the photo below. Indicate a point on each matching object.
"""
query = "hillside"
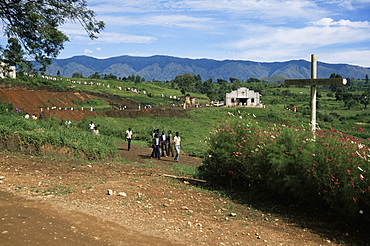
(166, 68)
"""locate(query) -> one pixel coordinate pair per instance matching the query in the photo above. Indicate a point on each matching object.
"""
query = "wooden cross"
(314, 82)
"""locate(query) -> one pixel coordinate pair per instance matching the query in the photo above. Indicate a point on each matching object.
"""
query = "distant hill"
(166, 68)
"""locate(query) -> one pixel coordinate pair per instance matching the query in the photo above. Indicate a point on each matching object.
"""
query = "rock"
(110, 192)
(122, 194)
(2, 177)
(184, 208)
(233, 215)
(199, 224)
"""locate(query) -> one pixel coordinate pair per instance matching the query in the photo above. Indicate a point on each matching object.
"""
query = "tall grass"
(39, 133)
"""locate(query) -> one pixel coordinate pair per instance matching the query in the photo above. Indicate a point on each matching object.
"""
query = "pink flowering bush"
(326, 166)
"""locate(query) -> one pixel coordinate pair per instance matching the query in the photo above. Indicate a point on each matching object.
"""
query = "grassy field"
(195, 128)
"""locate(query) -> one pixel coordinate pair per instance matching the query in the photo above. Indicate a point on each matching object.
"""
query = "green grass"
(37, 134)
(194, 129)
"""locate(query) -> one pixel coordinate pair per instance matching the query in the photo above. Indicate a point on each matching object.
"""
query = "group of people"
(165, 143)
(34, 117)
(93, 128)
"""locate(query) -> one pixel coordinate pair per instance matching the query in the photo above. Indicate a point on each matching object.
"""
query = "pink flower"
(354, 199)
(349, 171)
(361, 177)
(308, 170)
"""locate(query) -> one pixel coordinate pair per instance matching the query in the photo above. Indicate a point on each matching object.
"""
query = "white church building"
(243, 97)
(7, 71)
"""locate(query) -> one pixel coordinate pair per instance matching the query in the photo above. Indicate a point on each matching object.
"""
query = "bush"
(38, 133)
(292, 163)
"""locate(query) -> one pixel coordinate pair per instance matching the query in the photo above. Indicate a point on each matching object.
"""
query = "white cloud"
(354, 57)
(112, 37)
(161, 20)
(87, 51)
(323, 33)
(78, 34)
(249, 9)
(331, 22)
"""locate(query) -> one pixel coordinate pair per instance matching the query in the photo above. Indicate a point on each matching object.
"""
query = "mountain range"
(166, 68)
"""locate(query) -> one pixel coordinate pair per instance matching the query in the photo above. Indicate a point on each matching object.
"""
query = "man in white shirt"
(129, 137)
(177, 142)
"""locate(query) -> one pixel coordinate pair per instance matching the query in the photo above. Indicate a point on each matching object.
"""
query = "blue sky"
(338, 31)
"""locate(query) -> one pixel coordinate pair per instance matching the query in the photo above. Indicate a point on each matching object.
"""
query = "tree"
(367, 79)
(349, 100)
(364, 99)
(334, 75)
(137, 79)
(13, 53)
(206, 86)
(185, 82)
(235, 83)
(109, 76)
(76, 75)
(35, 23)
(253, 80)
(95, 75)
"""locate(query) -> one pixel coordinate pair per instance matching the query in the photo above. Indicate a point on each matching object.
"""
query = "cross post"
(314, 82)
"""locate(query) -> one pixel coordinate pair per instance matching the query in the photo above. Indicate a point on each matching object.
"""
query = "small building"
(190, 100)
(243, 97)
(7, 71)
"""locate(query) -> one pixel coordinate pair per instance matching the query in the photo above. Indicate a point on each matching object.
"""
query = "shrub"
(292, 163)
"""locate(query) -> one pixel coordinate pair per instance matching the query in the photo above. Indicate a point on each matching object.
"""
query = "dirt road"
(45, 201)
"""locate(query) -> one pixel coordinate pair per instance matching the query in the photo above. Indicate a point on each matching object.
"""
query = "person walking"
(91, 127)
(170, 144)
(128, 137)
(177, 142)
(156, 142)
(156, 131)
(163, 140)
